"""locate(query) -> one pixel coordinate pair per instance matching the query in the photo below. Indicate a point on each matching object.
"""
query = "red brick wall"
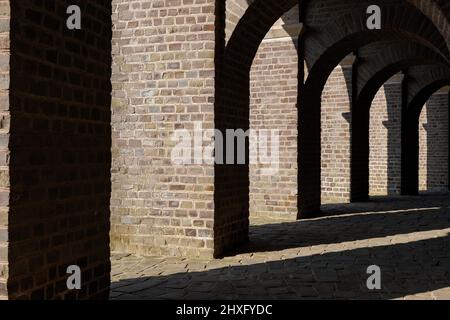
(60, 149)
(163, 80)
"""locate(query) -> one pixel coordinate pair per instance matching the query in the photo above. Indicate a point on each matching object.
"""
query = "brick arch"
(324, 46)
(335, 42)
(348, 30)
(383, 64)
(438, 12)
(373, 71)
(424, 84)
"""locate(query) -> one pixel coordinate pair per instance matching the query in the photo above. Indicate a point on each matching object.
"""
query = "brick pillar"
(309, 150)
(60, 159)
(359, 180)
(309, 137)
(360, 154)
(410, 154)
(4, 141)
(409, 145)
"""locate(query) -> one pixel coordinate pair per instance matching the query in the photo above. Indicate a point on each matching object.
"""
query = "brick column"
(309, 138)
(359, 188)
(309, 150)
(410, 154)
(58, 170)
(409, 145)
(360, 154)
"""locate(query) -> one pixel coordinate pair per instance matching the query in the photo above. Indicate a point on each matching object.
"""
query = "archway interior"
(257, 69)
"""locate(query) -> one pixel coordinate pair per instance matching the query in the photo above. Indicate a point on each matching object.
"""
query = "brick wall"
(385, 140)
(433, 144)
(163, 80)
(60, 149)
(273, 106)
(335, 122)
(4, 138)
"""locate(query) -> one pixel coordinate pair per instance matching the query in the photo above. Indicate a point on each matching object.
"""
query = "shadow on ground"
(276, 264)
(351, 222)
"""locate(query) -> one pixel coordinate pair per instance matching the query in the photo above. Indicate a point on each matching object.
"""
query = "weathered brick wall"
(4, 139)
(163, 80)
(385, 140)
(433, 144)
(60, 96)
(273, 106)
(335, 122)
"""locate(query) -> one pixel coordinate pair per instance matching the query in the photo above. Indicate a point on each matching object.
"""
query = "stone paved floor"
(408, 238)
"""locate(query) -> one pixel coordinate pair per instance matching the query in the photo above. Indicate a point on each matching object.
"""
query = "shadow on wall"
(417, 266)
